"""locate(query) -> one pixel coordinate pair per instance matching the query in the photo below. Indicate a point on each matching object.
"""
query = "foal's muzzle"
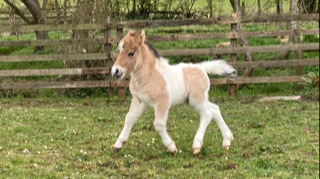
(116, 73)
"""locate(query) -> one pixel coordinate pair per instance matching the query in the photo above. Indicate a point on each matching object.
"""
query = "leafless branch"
(44, 5)
(33, 8)
(18, 12)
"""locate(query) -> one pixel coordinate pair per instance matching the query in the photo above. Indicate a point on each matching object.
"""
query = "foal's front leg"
(136, 109)
(161, 115)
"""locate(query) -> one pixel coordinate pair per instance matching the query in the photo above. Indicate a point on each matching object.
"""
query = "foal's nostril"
(116, 73)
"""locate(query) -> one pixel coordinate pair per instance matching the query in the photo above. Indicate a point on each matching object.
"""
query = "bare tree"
(279, 6)
(259, 7)
(308, 6)
(38, 14)
(292, 25)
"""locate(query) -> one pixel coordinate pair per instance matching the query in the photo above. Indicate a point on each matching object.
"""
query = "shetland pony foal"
(157, 84)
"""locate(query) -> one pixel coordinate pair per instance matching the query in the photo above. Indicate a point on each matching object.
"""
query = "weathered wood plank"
(254, 80)
(50, 27)
(63, 84)
(285, 98)
(173, 52)
(93, 84)
(206, 36)
(46, 42)
(276, 63)
(223, 20)
(248, 49)
(280, 18)
(173, 37)
(161, 23)
(106, 70)
(60, 84)
(56, 57)
(50, 72)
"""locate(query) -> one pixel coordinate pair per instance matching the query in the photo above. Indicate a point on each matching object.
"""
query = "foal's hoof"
(226, 143)
(115, 149)
(174, 152)
(196, 151)
(226, 147)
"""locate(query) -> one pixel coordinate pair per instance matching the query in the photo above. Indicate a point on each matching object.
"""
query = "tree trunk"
(259, 7)
(38, 15)
(210, 8)
(134, 4)
(279, 6)
(40, 35)
(58, 9)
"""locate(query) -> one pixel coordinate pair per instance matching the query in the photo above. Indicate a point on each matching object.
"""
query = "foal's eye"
(130, 54)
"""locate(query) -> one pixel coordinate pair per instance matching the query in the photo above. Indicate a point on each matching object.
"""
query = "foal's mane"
(155, 52)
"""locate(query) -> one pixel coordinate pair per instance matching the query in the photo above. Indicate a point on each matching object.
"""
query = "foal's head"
(128, 52)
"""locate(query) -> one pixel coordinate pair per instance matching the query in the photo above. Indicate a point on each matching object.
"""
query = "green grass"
(56, 138)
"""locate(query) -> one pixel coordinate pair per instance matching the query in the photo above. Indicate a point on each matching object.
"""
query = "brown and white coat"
(159, 85)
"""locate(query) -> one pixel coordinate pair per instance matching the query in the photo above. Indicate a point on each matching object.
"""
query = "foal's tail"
(219, 67)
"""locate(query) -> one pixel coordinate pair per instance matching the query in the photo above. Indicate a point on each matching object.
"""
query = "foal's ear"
(141, 36)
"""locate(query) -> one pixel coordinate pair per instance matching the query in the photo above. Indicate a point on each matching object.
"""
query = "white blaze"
(120, 46)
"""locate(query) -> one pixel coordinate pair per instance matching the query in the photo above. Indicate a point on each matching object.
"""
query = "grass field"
(68, 133)
(72, 138)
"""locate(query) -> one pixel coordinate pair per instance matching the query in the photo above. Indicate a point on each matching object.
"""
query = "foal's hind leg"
(161, 115)
(136, 109)
(208, 111)
(226, 132)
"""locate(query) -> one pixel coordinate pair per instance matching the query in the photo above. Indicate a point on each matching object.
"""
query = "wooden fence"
(108, 41)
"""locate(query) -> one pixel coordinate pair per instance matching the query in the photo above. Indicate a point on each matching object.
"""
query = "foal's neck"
(145, 64)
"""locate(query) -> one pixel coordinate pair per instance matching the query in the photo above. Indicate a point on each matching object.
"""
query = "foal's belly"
(175, 85)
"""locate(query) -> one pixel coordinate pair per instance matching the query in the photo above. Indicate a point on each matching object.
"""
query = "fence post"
(298, 55)
(296, 39)
(119, 34)
(108, 49)
(233, 58)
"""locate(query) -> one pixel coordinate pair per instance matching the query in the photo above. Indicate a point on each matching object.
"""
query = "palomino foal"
(157, 84)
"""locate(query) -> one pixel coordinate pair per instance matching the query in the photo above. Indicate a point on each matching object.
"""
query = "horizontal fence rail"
(162, 23)
(56, 57)
(51, 27)
(275, 63)
(50, 72)
(96, 84)
(106, 70)
(206, 36)
(58, 84)
(232, 50)
(175, 52)
(256, 80)
(173, 37)
(222, 20)
(47, 42)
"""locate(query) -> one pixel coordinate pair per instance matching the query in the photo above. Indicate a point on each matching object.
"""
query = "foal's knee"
(159, 125)
(214, 106)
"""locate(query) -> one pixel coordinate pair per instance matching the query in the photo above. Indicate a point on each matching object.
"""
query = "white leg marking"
(160, 126)
(226, 132)
(205, 119)
(136, 109)
(208, 112)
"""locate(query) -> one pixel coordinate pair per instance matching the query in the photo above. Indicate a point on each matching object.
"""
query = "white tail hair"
(219, 67)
